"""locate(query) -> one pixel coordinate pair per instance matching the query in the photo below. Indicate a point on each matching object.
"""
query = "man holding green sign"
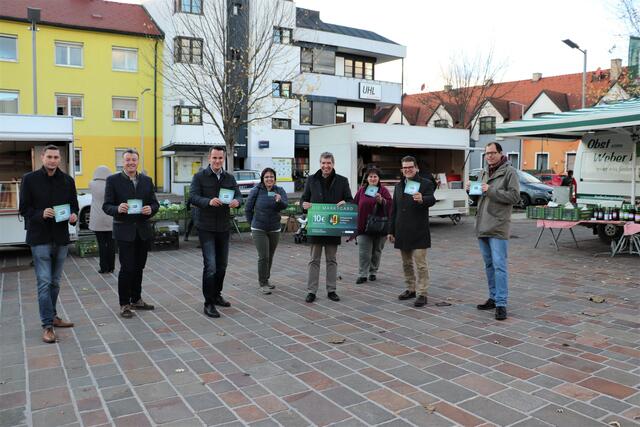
(325, 197)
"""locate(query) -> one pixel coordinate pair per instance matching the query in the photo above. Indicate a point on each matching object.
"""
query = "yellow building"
(96, 61)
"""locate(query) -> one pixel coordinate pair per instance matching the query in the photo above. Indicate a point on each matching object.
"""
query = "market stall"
(606, 169)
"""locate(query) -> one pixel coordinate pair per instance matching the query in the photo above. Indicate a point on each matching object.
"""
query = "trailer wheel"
(84, 218)
(456, 219)
(609, 232)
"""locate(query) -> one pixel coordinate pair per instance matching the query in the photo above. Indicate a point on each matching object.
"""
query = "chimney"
(447, 88)
(616, 69)
(536, 76)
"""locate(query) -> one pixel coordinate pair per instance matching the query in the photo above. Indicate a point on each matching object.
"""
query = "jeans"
(48, 260)
(418, 283)
(266, 243)
(133, 258)
(107, 250)
(215, 253)
(330, 252)
(369, 251)
(494, 253)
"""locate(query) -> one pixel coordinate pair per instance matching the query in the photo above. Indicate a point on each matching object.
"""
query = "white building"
(328, 71)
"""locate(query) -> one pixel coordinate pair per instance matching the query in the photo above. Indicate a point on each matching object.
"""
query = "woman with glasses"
(262, 210)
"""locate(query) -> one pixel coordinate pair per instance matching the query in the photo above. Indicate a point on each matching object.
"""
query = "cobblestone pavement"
(559, 359)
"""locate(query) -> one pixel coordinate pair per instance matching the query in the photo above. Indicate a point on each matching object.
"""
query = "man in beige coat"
(101, 223)
(500, 191)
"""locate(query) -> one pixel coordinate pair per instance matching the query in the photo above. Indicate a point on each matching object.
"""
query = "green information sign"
(325, 219)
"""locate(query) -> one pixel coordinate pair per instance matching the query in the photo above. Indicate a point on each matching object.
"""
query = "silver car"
(246, 179)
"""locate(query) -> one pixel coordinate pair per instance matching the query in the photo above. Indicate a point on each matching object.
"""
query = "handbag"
(377, 225)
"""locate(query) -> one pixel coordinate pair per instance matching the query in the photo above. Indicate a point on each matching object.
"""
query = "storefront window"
(8, 196)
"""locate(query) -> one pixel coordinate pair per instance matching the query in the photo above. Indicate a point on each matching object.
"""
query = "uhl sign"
(370, 91)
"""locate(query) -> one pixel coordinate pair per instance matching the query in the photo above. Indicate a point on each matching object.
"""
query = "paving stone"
(167, 410)
(119, 408)
(448, 391)
(370, 413)
(563, 417)
(518, 400)
(343, 397)
(217, 416)
(446, 371)
(419, 416)
(57, 416)
(587, 410)
(204, 401)
(12, 417)
(316, 408)
(156, 391)
(611, 405)
(359, 383)
(284, 385)
(492, 411)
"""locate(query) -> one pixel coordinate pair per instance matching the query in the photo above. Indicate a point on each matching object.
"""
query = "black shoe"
(421, 301)
(360, 280)
(210, 310)
(101, 271)
(489, 305)
(406, 295)
(221, 301)
(333, 296)
(310, 297)
(501, 313)
(372, 277)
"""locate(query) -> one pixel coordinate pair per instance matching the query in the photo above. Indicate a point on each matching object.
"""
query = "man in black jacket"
(214, 191)
(49, 203)
(129, 197)
(325, 186)
(409, 232)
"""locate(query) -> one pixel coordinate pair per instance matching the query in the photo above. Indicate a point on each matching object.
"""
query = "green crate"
(87, 247)
(571, 215)
(548, 213)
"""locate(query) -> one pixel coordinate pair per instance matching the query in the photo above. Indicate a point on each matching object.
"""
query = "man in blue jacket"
(214, 191)
(49, 203)
(129, 197)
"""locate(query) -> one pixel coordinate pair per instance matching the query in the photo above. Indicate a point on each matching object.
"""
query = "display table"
(629, 240)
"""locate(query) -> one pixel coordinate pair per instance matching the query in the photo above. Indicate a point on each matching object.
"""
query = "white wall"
(440, 114)
(543, 104)
(347, 88)
(487, 110)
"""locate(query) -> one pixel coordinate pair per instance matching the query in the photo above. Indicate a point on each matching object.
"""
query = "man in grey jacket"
(500, 191)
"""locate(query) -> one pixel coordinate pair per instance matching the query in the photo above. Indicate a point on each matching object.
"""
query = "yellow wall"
(97, 134)
(557, 150)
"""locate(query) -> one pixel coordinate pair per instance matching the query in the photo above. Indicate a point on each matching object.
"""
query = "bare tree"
(469, 82)
(225, 58)
(629, 14)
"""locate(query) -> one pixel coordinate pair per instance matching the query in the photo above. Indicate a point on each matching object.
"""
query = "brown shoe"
(141, 305)
(59, 323)
(48, 335)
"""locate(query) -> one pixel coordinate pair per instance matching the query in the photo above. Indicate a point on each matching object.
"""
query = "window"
(187, 50)
(570, 163)
(313, 60)
(368, 114)
(359, 68)
(341, 114)
(189, 6)
(317, 113)
(487, 125)
(541, 114)
(69, 54)
(69, 105)
(8, 48)
(119, 160)
(124, 108)
(236, 9)
(281, 89)
(442, 123)
(235, 54)
(282, 35)
(187, 115)
(542, 161)
(514, 159)
(123, 59)
(8, 102)
(77, 161)
(280, 123)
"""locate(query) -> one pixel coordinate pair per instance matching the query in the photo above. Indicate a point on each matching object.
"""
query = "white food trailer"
(22, 139)
(442, 152)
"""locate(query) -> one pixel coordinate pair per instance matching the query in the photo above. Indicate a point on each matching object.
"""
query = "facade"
(94, 60)
(497, 103)
(326, 75)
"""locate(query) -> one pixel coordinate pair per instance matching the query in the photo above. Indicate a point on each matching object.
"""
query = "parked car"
(247, 179)
(553, 179)
(84, 203)
(532, 190)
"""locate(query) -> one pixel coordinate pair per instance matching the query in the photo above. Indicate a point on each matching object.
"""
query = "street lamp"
(573, 45)
(142, 126)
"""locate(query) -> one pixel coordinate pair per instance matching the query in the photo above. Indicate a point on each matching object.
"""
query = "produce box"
(172, 212)
(165, 236)
(87, 246)
(571, 215)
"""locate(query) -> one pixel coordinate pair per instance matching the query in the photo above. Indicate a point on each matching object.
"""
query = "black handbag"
(377, 225)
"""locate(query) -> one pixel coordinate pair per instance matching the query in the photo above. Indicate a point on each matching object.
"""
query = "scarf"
(495, 167)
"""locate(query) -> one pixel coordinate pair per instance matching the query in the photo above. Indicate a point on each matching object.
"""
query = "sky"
(526, 36)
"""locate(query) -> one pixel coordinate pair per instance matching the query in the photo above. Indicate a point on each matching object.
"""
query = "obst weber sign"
(607, 157)
(370, 91)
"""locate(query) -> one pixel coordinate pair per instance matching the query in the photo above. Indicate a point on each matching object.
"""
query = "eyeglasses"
(491, 153)
(408, 167)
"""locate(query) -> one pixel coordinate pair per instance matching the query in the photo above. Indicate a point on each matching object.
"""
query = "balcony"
(348, 88)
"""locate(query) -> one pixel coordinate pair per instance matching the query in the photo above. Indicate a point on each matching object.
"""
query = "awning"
(185, 146)
(410, 144)
(575, 123)
(15, 127)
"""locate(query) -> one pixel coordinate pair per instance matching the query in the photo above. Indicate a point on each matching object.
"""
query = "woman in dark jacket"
(372, 198)
(262, 210)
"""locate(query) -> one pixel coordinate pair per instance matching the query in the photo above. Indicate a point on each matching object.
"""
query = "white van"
(603, 171)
